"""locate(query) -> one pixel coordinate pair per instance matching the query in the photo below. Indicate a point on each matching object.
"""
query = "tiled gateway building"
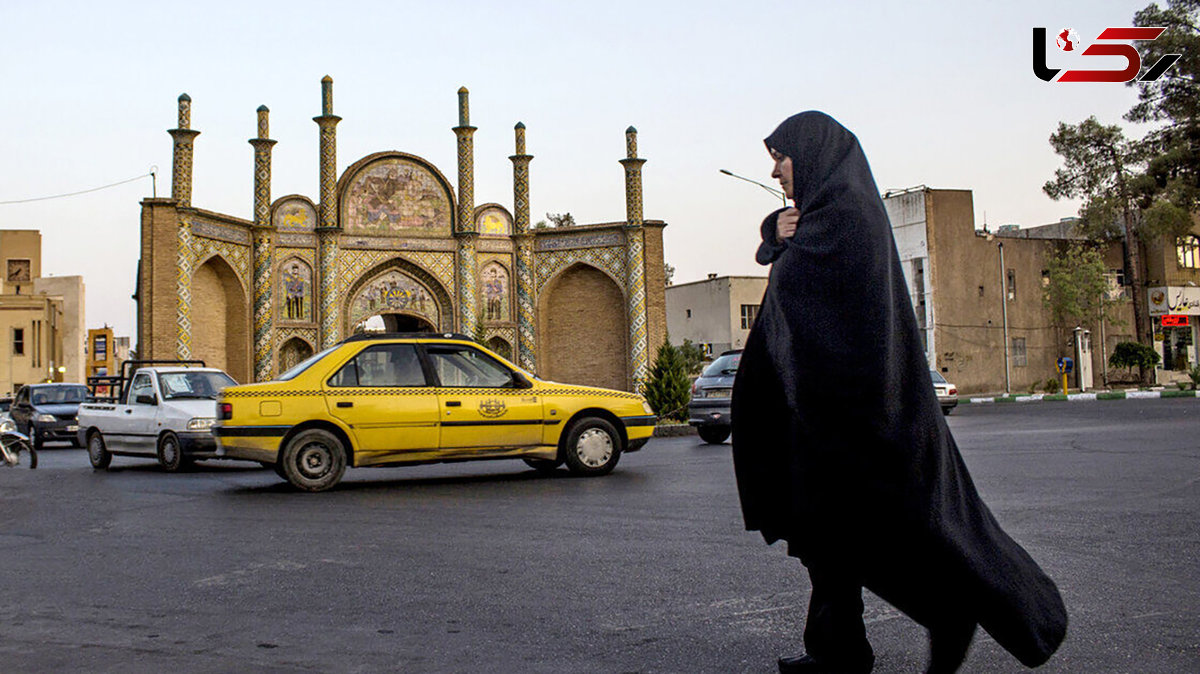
(391, 244)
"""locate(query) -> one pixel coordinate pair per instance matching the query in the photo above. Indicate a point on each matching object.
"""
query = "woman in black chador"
(840, 446)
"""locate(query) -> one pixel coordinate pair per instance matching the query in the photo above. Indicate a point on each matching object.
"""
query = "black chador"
(839, 443)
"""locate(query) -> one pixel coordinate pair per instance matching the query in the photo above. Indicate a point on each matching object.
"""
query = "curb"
(673, 430)
(1077, 397)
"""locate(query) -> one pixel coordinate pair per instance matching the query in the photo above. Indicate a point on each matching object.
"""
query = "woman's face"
(782, 171)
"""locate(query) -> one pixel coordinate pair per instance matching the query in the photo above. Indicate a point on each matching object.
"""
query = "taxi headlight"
(8, 426)
(201, 423)
(647, 408)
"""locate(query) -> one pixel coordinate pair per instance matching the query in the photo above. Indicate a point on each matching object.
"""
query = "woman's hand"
(785, 226)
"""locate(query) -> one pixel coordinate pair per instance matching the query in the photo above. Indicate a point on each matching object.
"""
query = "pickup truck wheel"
(170, 454)
(314, 460)
(98, 452)
(593, 447)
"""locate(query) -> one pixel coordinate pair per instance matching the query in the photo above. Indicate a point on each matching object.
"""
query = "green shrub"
(667, 389)
(1134, 354)
(1194, 375)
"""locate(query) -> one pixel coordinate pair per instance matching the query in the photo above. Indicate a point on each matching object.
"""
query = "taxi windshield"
(305, 364)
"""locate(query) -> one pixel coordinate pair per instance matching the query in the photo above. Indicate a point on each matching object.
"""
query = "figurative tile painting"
(296, 284)
(393, 292)
(395, 196)
(494, 288)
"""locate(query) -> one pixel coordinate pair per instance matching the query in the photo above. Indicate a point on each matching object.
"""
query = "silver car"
(947, 393)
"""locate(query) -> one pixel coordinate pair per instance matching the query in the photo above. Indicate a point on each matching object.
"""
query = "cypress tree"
(667, 389)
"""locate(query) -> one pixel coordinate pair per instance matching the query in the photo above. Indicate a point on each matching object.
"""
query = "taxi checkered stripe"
(420, 390)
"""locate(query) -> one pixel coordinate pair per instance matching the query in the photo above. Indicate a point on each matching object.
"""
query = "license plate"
(72, 429)
(718, 393)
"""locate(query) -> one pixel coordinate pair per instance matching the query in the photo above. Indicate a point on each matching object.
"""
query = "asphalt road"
(489, 567)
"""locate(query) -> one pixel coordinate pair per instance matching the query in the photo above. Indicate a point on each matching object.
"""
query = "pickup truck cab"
(164, 412)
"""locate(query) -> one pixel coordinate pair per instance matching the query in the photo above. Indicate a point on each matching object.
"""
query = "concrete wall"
(72, 327)
(715, 310)
(36, 317)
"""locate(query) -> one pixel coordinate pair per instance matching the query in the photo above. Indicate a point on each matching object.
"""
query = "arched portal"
(501, 347)
(583, 329)
(292, 353)
(412, 297)
(394, 323)
(220, 319)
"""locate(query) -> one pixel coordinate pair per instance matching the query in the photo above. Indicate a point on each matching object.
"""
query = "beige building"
(715, 313)
(41, 318)
(970, 287)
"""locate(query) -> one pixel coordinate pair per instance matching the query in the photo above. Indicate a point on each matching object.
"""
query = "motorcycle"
(15, 447)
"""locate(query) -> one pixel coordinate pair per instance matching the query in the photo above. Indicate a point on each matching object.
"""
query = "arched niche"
(221, 319)
(583, 329)
(400, 288)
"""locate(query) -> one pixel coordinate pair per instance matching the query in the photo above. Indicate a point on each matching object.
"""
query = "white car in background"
(947, 393)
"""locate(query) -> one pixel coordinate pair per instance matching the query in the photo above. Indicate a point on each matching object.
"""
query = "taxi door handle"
(453, 403)
(345, 404)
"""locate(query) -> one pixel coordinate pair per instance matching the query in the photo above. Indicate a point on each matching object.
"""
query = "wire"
(72, 194)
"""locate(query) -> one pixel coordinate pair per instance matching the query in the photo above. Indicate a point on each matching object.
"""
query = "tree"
(1170, 188)
(668, 273)
(1099, 166)
(1077, 292)
(693, 357)
(561, 219)
(667, 390)
(1131, 354)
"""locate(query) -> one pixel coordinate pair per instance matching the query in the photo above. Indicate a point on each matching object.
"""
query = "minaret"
(263, 236)
(181, 192)
(635, 280)
(464, 230)
(526, 325)
(327, 227)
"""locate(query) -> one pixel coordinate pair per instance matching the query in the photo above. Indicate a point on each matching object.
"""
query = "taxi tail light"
(224, 411)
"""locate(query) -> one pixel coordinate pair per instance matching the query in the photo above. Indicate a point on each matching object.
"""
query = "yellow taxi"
(394, 399)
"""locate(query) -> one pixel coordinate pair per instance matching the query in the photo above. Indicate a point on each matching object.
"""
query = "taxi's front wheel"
(314, 460)
(593, 447)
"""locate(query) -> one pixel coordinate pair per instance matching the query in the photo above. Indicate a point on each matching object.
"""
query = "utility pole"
(1004, 308)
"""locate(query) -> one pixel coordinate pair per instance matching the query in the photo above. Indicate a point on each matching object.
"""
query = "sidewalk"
(1120, 394)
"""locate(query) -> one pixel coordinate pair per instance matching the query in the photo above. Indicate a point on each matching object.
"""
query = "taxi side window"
(383, 365)
(464, 367)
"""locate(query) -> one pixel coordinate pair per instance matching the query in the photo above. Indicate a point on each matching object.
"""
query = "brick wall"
(583, 330)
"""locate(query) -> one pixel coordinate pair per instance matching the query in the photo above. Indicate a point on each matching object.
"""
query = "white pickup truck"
(163, 411)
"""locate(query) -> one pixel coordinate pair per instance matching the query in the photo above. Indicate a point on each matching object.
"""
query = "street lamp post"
(772, 190)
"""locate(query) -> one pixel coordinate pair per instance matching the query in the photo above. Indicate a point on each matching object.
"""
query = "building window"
(981, 291)
(18, 348)
(749, 313)
(1011, 284)
(1115, 282)
(1187, 250)
(1019, 359)
(689, 313)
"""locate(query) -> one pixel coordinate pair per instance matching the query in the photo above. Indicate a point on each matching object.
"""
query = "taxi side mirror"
(520, 381)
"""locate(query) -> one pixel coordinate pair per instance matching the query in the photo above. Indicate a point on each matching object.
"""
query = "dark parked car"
(708, 410)
(47, 412)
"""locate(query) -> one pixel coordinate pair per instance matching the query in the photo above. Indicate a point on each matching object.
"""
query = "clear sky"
(939, 93)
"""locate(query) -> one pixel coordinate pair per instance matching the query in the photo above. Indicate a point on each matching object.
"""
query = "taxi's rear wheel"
(593, 447)
(314, 460)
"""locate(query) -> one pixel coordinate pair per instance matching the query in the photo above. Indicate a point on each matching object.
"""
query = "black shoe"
(806, 664)
(948, 648)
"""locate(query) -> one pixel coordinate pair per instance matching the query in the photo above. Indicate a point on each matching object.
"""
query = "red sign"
(1174, 321)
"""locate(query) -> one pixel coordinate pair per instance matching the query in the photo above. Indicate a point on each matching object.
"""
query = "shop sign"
(1174, 321)
(1174, 300)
